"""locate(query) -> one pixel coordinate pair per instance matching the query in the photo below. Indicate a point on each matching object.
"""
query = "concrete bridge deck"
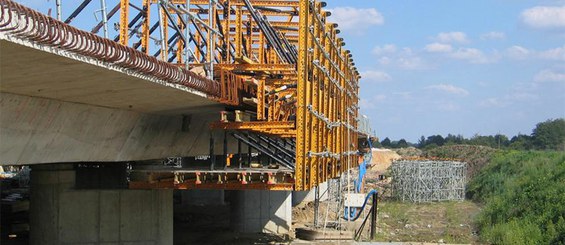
(48, 72)
(56, 106)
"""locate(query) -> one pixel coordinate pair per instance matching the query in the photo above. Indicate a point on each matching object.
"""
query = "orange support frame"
(314, 101)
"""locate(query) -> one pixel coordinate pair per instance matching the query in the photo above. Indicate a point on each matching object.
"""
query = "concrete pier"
(299, 197)
(255, 211)
(62, 214)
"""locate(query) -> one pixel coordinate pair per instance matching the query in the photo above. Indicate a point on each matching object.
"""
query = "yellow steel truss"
(314, 99)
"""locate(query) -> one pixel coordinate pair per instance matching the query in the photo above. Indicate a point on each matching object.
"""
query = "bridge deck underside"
(32, 72)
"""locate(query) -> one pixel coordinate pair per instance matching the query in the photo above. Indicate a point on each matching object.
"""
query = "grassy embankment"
(524, 198)
(522, 195)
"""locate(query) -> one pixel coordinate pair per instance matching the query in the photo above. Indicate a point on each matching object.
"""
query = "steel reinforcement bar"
(20, 21)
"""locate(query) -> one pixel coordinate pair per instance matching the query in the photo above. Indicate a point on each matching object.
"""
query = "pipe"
(58, 3)
(104, 18)
(354, 215)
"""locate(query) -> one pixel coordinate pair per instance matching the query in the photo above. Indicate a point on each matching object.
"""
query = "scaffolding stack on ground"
(428, 180)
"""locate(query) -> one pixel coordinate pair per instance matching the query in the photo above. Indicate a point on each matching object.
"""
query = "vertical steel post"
(301, 134)
(374, 216)
(212, 156)
(124, 21)
(225, 149)
(145, 27)
(238, 32)
(58, 3)
(104, 18)
(211, 38)
(239, 158)
(226, 45)
(261, 100)
(249, 155)
(187, 35)
(162, 26)
(316, 205)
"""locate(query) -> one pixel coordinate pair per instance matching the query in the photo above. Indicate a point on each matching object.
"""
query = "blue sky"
(460, 67)
(438, 67)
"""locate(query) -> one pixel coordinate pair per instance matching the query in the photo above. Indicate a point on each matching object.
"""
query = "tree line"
(548, 135)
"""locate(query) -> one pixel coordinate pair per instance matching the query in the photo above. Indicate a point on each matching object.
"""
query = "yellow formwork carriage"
(320, 108)
(326, 136)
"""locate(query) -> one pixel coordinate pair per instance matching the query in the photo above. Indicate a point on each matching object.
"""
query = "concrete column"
(61, 214)
(256, 211)
(304, 197)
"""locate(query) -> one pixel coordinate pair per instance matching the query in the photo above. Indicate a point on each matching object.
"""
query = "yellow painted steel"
(124, 21)
(301, 112)
(145, 27)
(314, 101)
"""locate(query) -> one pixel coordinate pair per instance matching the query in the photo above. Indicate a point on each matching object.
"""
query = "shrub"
(524, 198)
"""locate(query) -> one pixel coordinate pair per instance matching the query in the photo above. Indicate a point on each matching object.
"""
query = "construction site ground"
(441, 222)
(405, 222)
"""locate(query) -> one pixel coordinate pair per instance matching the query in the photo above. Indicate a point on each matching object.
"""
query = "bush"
(475, 156)
(524, 198)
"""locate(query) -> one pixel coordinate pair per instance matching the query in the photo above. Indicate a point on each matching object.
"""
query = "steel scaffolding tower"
(428, 181)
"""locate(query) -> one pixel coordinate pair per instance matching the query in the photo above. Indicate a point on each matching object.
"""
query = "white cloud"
(543, 17)
(412, 63)
(549, 76)
(372, 102)
(438, 48)
(366, 104)
(472, 55)
(356, 19)
(448, 88)
(448, 106)
(494, 102)
(385, 49)
(403, 58)
(375, 76)
(405, 95)
(511, 98)
(384, 60)
(452, 37)
(493, 35)
(379, 97)
(522, 96)
(518, 52)
(554, 54)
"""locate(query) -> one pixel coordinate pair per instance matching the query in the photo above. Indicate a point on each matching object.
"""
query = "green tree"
(454, 139)
(422, 142)
(501, 141)
(435, 139)
(402, 143)
(386, 142)
(521, 142)
(375, 142)
(550, 135)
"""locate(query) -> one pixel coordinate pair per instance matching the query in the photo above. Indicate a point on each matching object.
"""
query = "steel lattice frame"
(281, 58)
(428, 181)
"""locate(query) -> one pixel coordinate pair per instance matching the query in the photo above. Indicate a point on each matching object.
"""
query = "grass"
(524, 198)
(427, 222)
